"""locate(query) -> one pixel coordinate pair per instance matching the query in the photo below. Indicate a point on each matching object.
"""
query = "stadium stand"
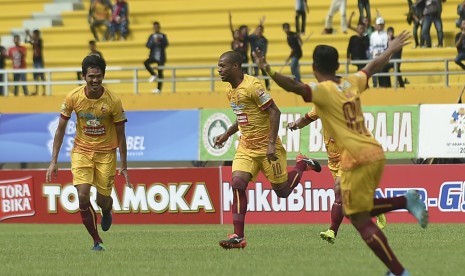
(198, 33)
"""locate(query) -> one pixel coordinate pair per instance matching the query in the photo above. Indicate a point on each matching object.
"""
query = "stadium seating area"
(198, 33)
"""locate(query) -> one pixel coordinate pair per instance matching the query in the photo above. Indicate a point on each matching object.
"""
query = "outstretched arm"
(231, 24)
(285, 82)
(349, 22)
(300, 123)
(379, 62)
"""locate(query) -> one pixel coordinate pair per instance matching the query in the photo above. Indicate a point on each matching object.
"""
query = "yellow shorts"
(275, 172)
(97, 169)
(358, 187)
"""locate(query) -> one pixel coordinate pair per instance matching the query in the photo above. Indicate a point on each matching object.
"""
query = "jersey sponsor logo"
(16, 198)
(242, 119)
(94, 128)
(263, 96)
(215, 125)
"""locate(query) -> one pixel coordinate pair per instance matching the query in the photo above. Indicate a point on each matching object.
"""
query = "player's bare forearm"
(303, 122)
(233, 129)
(122, 146)
(58, 139)
(395, 45)
(275, 116)
(286, 82)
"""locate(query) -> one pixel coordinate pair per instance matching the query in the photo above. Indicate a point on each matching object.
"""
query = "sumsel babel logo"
(216, 124)
(458, 122)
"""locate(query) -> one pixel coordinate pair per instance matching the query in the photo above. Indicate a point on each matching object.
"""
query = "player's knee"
(84, 197)
(239, 183)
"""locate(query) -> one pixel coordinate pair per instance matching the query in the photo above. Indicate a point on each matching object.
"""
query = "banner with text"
(442, 129)
(161, 196)
(395, 127)
(441, 187)
(150, 136)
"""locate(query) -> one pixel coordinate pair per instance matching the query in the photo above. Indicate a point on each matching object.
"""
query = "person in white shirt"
(378, 44)
(336, 5)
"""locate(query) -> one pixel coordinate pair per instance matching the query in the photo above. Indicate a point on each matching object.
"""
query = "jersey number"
(277, 170)
(350, 110)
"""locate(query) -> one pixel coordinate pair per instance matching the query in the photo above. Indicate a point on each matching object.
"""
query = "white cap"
(379, 21)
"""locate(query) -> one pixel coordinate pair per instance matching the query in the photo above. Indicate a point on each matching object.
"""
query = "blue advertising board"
(150, 136)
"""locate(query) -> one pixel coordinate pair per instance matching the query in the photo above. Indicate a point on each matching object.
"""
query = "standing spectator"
(461, 13)
(295, 42)
(395, 55)
(460, 45)
(99, 15)
(358, 46)
(37, 57)
(364, 5)
(301, 10)
(432, 14)
(378, 44)
(369, 29)
(258, 40)
(18, 58)
(157, 43)
(415, 16)
(120, 20)
(3, 56)
(240, 42)
(336, 5)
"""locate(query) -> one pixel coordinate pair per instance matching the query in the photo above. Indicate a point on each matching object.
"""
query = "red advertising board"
(442, 187)
(180, 196)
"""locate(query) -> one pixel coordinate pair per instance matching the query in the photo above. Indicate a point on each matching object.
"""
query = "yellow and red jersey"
(339, 108)
(249, 101)
(96, 120)
(332, 149)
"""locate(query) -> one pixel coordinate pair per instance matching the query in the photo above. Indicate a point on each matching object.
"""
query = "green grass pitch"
(34, 249)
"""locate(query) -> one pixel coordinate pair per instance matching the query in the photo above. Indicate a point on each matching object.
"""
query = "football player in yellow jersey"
(100, 130)
(337, 101)
(334, 162)
(259, 149)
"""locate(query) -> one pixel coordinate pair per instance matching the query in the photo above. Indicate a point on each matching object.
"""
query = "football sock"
(239, 209)
(294, 176)
(336, 213)
(376, 240)
(89, 219)
(384, 205)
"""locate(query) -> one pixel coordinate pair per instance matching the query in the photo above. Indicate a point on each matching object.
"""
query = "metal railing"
(211, 75)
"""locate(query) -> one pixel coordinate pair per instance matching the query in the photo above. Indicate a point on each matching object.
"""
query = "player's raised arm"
(57, 142)
(394, 45)
(285, 82)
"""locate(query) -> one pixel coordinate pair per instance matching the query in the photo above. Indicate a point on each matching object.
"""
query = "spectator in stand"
(364, 9)
(120, 20)
(37, 57)
(157, 43)
(336, 5)
(3, 56)
(358, 46)
(301, 10)
(93, 49)
(461, 13)
(378, 44)
(18, 59)
(258, 40)
(460, 45)
(396, 55)
(415, 16)
(432, 14)
(100, 15)
(240, 42)
(295, 42)
(366, 21)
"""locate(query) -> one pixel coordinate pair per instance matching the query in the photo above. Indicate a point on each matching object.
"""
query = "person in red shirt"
(18, 59)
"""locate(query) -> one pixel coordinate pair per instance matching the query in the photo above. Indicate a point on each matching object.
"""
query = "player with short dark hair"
(259, 149)
(337, 101)
(100, 130)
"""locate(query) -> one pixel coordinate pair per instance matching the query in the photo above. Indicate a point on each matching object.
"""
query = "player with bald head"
(260, 149)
